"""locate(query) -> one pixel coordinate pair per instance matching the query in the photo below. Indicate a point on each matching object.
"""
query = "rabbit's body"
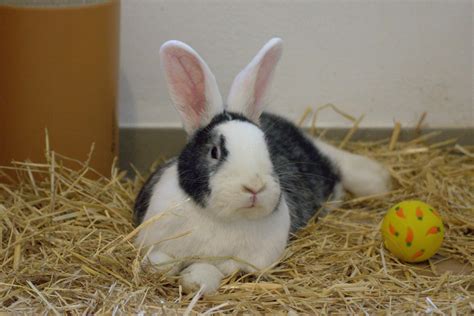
(306, 178)
(244, 181)
(195, 234)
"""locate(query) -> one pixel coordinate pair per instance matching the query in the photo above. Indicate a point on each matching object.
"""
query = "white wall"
(391, 60)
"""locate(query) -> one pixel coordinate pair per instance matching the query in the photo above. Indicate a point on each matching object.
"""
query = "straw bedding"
(66, 246)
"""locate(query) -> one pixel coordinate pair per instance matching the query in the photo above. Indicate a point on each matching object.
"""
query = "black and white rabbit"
(244, 181)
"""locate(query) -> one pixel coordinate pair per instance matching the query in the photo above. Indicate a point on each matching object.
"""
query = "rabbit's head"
(225, 167)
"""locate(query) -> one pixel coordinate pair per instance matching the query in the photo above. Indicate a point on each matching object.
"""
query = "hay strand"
(351, 132)
(306, 112)
(335, 109)
(419, 124)
(395, 135)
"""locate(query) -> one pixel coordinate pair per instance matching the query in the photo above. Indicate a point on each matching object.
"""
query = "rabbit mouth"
(254, 201)
(252, 205)
(253, 212)
(256, 207)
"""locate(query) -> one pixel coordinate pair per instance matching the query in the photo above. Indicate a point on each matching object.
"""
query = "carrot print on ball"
(399, 212)
(418, 254)
(392, 230)
(419, 214)
(433, 230)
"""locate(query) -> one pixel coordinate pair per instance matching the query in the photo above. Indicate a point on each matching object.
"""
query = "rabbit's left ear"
(192, 86)
(250, 87)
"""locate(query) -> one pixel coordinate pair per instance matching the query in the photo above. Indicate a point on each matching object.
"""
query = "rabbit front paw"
(201, 275)
(163, 263)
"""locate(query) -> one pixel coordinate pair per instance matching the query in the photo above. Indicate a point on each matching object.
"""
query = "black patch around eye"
(195, 167)
(222, 154)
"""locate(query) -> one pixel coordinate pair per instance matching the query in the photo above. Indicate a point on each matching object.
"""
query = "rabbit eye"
(215, 152)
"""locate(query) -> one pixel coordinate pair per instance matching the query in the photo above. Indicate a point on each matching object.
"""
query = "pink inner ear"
(188, 84)
(263, 77)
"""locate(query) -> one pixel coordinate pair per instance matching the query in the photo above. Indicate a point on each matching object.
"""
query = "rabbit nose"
(254, 185)
(255, 189)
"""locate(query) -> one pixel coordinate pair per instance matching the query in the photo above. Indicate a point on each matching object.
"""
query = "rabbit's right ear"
(191, 84)
(251, 86)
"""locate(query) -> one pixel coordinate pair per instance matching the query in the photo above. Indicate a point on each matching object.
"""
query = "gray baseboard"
(142, 146)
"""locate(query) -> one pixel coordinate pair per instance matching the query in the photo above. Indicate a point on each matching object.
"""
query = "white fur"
(360, 175)
(248, 164)
(203, 275)
(251, 86)
(192, 85)
(189, 231)
(164, 263)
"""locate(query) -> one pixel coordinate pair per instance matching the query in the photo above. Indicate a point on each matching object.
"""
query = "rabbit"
(244, 182)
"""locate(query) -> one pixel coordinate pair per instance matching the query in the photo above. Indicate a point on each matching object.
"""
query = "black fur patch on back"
(194, 166)
(306, 176)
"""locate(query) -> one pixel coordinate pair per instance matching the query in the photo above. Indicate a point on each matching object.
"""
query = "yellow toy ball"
(413, 231)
